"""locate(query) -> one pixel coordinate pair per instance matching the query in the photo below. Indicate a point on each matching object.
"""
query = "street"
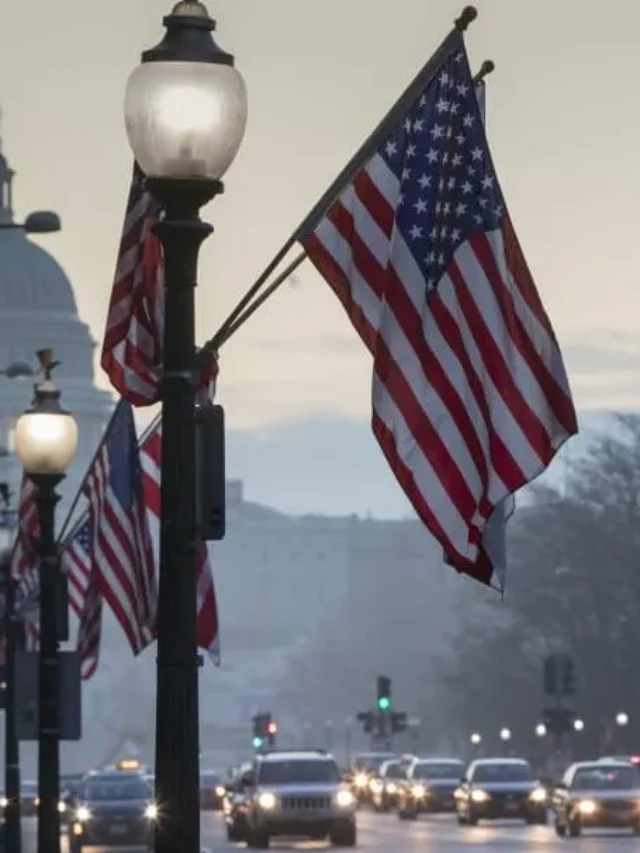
(385, 834)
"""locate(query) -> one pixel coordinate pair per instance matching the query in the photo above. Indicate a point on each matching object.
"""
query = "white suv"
(298, 794)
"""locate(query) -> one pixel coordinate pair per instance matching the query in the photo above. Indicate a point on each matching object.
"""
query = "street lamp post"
(46, 443)
(185, 117)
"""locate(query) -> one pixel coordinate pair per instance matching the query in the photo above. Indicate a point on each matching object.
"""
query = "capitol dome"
(38, 310)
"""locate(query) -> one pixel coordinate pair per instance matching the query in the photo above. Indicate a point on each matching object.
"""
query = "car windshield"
(29, 787)
(394, 771)
(298, 771)
(440, 770)
(370, 762)
(605, 778)
(120, 789)
(506, 772)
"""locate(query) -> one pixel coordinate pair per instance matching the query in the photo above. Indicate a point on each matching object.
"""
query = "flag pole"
(362, 155)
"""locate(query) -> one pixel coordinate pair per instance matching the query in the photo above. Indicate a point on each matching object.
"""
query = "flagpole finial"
(469, 14)
(487, 67)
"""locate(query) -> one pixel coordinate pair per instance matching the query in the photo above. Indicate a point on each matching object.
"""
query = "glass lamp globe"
(186, 105)
(46, 435)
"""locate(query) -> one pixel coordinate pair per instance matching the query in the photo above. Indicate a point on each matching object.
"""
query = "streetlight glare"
(578, 725)
(622, 719)
(505, 734)
(476, 738)
(46, 435)
(541, 730)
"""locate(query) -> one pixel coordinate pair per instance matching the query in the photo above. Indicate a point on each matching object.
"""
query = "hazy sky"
(563, 126)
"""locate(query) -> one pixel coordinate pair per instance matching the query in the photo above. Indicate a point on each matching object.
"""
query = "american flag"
(207, 611)
(25, 562)
(85, 597)
(121, 545)
(132, 349)
(470, 395)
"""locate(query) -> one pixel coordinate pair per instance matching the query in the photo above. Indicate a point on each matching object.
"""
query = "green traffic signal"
(384, 703)
(257, 742)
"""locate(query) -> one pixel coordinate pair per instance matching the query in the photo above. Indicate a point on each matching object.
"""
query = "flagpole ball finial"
(469, 14)
(487, 67)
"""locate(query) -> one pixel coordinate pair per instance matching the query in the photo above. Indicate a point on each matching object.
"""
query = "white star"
(420, 206)
(482, 202)
(477, 153)
(471, 171)
(407, 124)
(456, 160)
(444, 78)
(416, 232)
(437, 131)
(468, 120)
(433, 234)
(406, 174)
(453, 109)
(432, 155)
(438, 206)
(461, 209)
(400, 199)
(487, 182)
(431, 258)
(424, 181)
(446, 209)
(477, 218)
(455, 235)
(499, 210)
(411, 150)
(459, 57)
(459, 139)
(443, 232)
(431, 283)
(418, 125)
(423, 101)
(445, 157)
(391, 148)
(443, 106)
(462, 89)
(441, 184)
(449, 132)
(466, 188)
(451, 183)
(440, 258)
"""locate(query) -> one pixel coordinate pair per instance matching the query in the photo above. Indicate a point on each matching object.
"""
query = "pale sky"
(562, 122)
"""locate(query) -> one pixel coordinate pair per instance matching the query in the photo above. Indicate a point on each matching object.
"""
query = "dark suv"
(298, 794)
(430, 786)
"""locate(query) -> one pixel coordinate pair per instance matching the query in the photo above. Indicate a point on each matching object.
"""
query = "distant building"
(37, 310)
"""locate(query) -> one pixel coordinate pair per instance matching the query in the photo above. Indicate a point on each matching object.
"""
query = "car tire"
(472, 820)
(574, 828)
(460, 818)
(561, 829)
(346, 837)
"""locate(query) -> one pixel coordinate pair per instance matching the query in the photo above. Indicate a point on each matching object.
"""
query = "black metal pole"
(49, 680)
(181, 232)
(13, 637)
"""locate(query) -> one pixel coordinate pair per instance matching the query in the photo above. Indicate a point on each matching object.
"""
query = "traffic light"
(264, 730)
(568, 678)
(366, 718)
(559, 721)
(551, 676)
(384, 693)
(399, 722)
(257, 742)
(272, 731)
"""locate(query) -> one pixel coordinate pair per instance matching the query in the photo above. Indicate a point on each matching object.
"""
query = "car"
(29, 798)
(363, 770)
(298, 794)
(498, 788)
(211, 790)
(597, 794)
(69, 784)
(385, 787)
(235, 804)
(114, 809)
(628, 759)
(429, 787)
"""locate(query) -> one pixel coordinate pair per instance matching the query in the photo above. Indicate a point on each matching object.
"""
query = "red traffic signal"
(272, 728)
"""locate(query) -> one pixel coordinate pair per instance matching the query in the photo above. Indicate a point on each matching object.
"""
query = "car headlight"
(538, 795)
(83, 814)
(479, 796)
(220, 791)
(587, 806)
(62, 807)
(392, 788)
(36, 802)
(375, 785)
(151, 811)
(345, 799)
(267, 800)
(4, 802)
(361, 780)
(418, 791)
